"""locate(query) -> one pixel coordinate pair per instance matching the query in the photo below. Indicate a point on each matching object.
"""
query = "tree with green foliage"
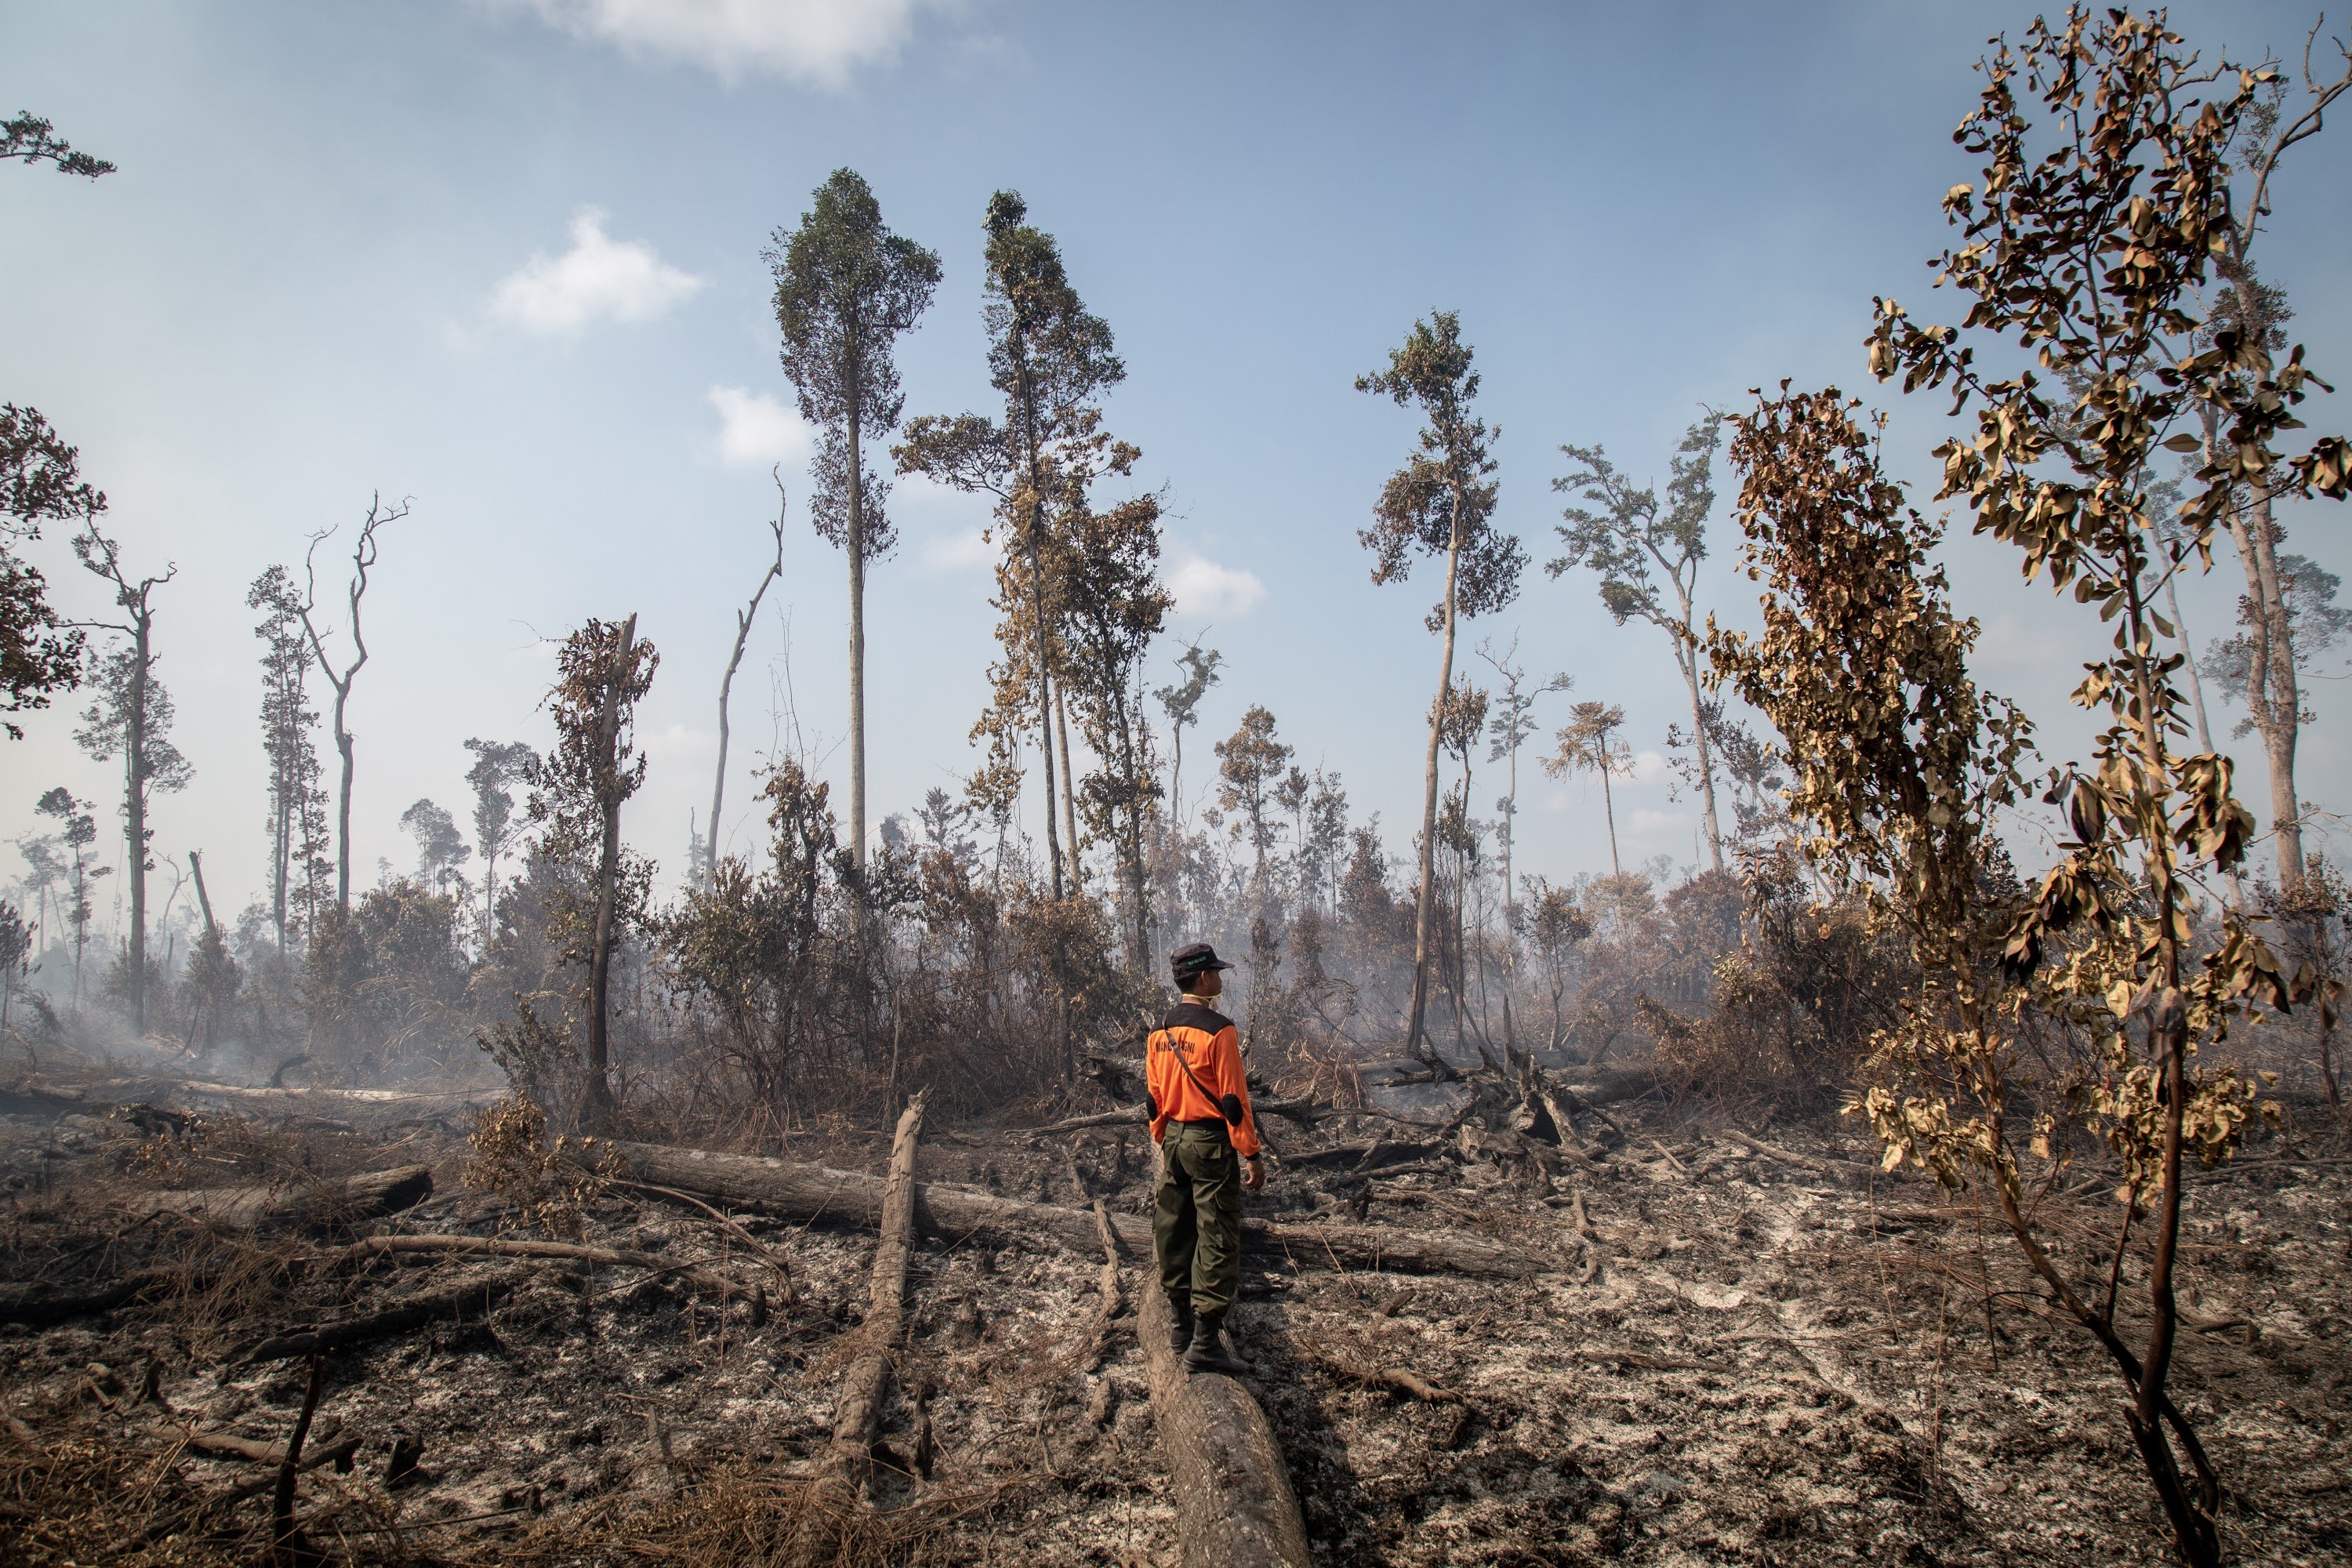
(1114, 604)
(1250, 761)
(131, 720)
(1051, 358)
(29, 139)
(499, 766)
(604, 672)
(1588, 743)
(1441, 503)
(1511, 727)
(845, 288)
(78, 828)
(298, 819)
(1181, 701)
(2105, 205)
(40, 481)
(1626, 539)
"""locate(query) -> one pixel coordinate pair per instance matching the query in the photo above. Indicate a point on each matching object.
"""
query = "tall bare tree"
(131, 720)
(364, 560)
(1439, 504)
(743, 619)
(845, 287)
(1630, 542)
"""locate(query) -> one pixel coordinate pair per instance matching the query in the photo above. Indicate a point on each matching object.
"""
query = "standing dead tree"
(363, 558)
(1440, 503)
(2105, 205)
(743, 619)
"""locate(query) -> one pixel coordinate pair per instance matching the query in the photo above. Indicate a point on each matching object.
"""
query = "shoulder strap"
(1231, 1105)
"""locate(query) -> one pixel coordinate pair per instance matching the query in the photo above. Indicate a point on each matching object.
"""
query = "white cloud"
(1646, 823)
(1649, 767)
(755, 431)
(1210, 591)
(963, 551)
(599, 278)
(819, 41)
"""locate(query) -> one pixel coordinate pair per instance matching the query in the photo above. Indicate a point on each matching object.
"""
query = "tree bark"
(857, 638)
(1686, 656)
(1416, 1023)
(346, 1202)
(598, 1108)
(134, 812)
(1069, 799)
(845, 1197)
(1609, 809)
(1234, 1505)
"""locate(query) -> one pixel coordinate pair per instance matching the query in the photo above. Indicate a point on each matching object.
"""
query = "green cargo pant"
(1197, 1225)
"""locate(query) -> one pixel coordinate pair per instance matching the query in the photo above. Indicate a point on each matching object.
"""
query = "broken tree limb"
(351, 1199)
(1788, 1157)
(954, 1213)
(221, 1446)
(1099, 1340)
(1407, 1381)
(758, 1249)
(1235, 1506)
(398, 1318)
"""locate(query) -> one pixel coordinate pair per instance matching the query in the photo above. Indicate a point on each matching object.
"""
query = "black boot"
(1179, 1321)
(1207, 1351)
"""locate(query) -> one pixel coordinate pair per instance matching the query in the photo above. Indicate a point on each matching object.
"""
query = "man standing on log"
(1201, 1119)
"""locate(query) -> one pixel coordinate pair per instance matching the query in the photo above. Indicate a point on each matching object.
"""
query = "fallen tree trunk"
(832, 1505)
(348, 1200)
(1235, 1506)
(848, 1197)
(858, 1418)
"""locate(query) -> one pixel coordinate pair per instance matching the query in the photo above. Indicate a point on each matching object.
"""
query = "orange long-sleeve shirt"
(1206, 1041)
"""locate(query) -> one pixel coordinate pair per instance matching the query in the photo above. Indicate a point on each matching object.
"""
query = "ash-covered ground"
(1735, 1357)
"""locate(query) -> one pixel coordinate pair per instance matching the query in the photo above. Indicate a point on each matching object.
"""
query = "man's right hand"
(1255, 1176)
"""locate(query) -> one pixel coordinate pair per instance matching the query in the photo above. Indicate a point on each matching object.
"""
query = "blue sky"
(502, 257)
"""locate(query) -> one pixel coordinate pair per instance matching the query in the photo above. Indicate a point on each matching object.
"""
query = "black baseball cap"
(1195, 958)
